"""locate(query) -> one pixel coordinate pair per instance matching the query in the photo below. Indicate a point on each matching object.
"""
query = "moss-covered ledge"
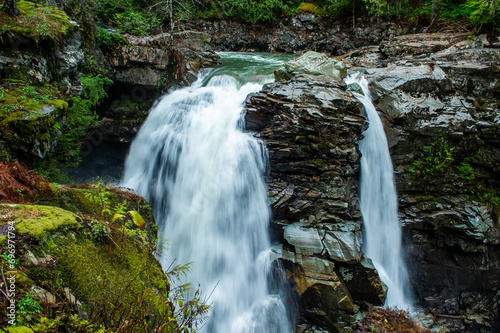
(75, 269)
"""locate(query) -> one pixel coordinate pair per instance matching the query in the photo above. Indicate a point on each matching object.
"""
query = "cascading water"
(378, 201)
(204, 177)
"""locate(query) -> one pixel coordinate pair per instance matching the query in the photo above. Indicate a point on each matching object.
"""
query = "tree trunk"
(10, 7)
(433, 11)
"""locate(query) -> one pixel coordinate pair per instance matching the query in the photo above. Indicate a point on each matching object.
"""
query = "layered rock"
(306, 31)
(438, 96)
(154, 60)
(311, 125)
(145, 68)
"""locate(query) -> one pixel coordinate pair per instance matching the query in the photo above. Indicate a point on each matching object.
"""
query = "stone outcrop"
(154, 60)
(438, 97)
(311, 125)
(304, 32)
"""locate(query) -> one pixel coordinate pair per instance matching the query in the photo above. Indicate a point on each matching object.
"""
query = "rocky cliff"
(41, 78)
(311, 124)
(439, 97)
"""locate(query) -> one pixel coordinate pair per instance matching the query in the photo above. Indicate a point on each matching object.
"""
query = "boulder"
(312, 63)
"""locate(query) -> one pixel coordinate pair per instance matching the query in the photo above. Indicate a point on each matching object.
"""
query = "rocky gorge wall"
(311, 124)
(438, 96)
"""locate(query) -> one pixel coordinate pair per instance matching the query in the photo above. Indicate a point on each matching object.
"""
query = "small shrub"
(436, 158)
(80, 117)
(465, 171)
(27, 309)
(108, 42)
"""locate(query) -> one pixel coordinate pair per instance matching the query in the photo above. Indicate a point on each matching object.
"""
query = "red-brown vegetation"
(383, 320)
(18, 184)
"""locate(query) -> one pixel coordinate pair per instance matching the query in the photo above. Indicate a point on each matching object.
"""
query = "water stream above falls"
(378, 201)
(204, 177)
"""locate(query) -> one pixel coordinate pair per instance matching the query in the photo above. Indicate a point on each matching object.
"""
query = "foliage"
(465, 171)
(81, 116)
(436, 158)
(109, 41)
(38, 21)
(135, 23)
(127, 16)
(389, 320)
(484, 11)
(27, 307)
(18, 184)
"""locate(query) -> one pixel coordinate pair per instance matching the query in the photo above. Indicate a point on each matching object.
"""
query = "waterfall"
(378, 201)
(204, 178)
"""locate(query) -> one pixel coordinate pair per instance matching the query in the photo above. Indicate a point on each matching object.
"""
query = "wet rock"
(311, 125)
(311, 63)
(414, 79)
(323, 296)
(363, 282)
(70, 55)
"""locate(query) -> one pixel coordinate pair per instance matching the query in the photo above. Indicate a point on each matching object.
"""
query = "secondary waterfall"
(204, 177)
(378, 201)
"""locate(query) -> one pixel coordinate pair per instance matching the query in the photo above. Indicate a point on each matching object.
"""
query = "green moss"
(40, 222)
(79, 200)
(309, 7)
(58, 104)
(116, 277)
(20, 329)
(37, 21)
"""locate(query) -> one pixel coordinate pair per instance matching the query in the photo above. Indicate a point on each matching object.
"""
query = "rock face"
(311, 125)
(147, 61)
(439, 96)
(144, 69)
(304, 32)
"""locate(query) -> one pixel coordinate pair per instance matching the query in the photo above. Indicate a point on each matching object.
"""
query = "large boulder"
(312, 63)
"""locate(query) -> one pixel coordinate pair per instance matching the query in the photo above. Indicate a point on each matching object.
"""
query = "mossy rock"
(138, 219)
(37, 21)
(110, 279)
(40, 222)
(29, 118)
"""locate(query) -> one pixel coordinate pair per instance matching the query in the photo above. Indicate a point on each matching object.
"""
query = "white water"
(204, 178)
(378, 201)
